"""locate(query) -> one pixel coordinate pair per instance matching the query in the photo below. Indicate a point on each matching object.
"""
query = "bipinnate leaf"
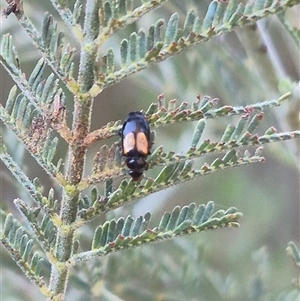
(129, 232)
(153, 46)
(40, 223)
(27, 87)
(34, 129)
(179, 166)
(57, 54)
(21, 248)
(171, 174)
(116, 15)
(35, 112)
(32, 187)
(56, 49)
(203, 108)
(41, 97)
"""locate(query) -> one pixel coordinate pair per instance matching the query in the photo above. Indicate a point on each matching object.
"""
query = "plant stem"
(69, 207)
(77, 152)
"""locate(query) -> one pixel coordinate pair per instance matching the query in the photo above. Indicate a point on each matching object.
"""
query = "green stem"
(77, 152)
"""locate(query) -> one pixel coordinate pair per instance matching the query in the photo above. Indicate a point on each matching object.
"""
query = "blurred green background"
(229, 264)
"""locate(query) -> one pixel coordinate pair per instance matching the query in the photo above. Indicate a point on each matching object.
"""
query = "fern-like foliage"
(21, 247)
(63, 85)
(129, 232)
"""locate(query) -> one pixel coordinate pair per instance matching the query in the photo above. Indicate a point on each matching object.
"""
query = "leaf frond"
(38, 93)
(21, 248)
(52, 45)
(8, 61)
(158, 157)
(34, 131)
(41, 224)
(36, 113)
(120, 14)
(33, 189)
(129, 232)
(70, 18)
(158, 114)
(108, 164)
(40, 144)
(170, 175)
(143, 49)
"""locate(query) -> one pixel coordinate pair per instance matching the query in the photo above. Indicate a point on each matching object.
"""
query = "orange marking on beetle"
(142, 144)
(128, 143)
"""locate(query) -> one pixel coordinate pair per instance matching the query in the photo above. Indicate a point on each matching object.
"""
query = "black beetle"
(135, 136)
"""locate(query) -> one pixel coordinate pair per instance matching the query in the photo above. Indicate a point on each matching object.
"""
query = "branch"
(77, 151)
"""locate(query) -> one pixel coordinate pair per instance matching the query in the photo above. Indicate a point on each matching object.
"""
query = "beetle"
(135, 135)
